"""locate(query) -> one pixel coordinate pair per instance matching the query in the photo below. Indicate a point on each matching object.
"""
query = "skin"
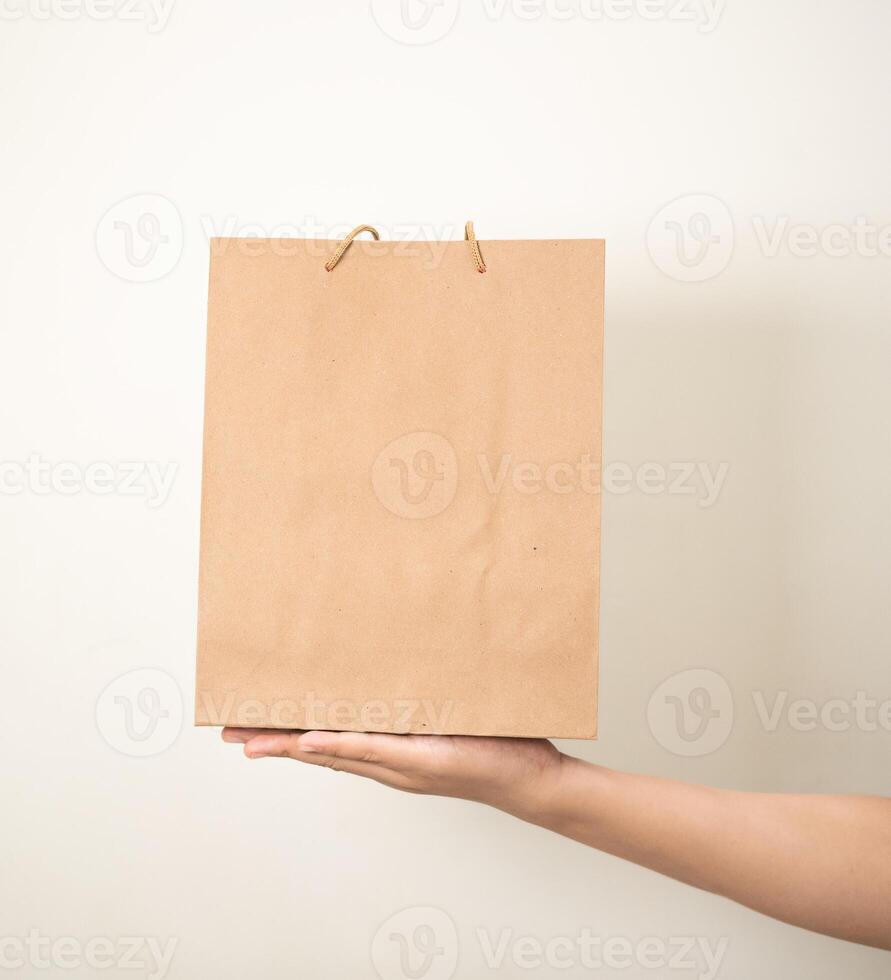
(820, 862)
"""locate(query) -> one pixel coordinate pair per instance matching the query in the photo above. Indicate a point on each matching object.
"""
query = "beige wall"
(233, 117)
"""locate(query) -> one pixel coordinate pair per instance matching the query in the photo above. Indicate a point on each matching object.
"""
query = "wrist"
(537, 795)
(559, 795)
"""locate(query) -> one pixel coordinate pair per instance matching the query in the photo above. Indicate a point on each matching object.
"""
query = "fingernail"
(312, 743)
(260, 745)
(237, 734)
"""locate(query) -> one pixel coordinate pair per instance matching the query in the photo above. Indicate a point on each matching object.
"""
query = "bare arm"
(820, 862)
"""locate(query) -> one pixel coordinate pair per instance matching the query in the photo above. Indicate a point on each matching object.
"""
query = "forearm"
(821, 862)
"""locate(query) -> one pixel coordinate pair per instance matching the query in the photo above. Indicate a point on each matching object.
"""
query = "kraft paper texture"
(400, 522)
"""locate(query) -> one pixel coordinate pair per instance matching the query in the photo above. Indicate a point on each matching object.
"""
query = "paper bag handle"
(469, 236)
(475, 247)
(345, 244)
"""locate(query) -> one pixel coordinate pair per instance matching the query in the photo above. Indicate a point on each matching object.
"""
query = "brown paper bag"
(400, 502)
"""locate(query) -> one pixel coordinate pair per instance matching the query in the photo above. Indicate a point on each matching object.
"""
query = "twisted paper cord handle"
(469, 236)
(345, 244)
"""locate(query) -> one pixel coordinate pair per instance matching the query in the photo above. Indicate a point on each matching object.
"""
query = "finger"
(243, 735)
(348, 746)
(393, 751)
(286, 746)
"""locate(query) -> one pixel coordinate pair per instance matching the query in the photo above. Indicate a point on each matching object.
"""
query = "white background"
(239, 117)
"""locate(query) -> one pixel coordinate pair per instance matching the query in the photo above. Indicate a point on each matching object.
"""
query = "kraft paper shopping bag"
(400, 501)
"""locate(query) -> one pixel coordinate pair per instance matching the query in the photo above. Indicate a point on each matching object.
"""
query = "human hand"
(513, 774)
